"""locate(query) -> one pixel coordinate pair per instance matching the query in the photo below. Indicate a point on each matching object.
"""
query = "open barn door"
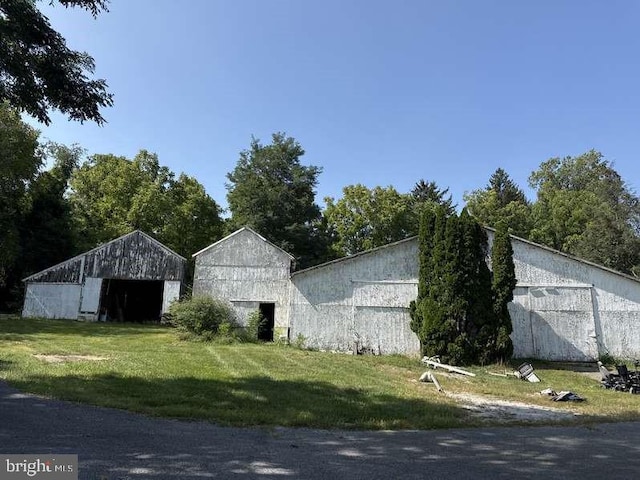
(131, 300)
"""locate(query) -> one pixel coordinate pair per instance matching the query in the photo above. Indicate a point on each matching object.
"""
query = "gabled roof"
(89, 252)
(571, 257)
(356, 255)
(248, 229)
(513, 237)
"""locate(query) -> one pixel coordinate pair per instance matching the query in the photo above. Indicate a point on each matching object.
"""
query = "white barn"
(131, 278)
(564, 308)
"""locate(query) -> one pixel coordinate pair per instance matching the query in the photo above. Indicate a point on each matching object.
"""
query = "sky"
(376, 92)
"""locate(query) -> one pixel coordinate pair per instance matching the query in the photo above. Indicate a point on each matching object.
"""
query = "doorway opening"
(131, 300)
(268, 312)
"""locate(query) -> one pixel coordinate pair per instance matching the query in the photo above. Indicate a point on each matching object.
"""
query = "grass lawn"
(147, 369)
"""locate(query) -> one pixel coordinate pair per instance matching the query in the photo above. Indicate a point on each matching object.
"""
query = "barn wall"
(170, 293)
(246, 270)
(51, 300)
(361, 300)
(566, 309)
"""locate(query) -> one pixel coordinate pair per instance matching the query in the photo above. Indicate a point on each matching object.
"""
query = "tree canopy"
(270, 191)
(39, 72)
(21, 158)
(112, 195)
(584, 208)
(367, 218)
(501, 201)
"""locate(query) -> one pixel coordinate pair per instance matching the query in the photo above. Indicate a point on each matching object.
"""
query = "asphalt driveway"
(113, 444)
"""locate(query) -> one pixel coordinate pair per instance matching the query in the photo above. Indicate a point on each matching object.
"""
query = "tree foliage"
(428, 193)
(21, 158)
(501, 200)
(367, 218)
(453, 315)
(584, 208)
(48, 232)
(504, 282)
(270, 191)
(38, 71)
(112, 195)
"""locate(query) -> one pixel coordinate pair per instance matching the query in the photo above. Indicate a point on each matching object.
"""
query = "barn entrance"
(268, 312)
(131, 300)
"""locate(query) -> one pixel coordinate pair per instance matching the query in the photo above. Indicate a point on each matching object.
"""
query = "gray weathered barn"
(131, 278)
(251, 273)
(564, 308)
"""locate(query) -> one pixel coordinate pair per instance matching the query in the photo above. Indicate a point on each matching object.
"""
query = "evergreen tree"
(504, 281)
(456, 314)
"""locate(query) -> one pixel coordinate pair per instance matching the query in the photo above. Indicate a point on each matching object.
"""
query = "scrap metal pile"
(623, 381)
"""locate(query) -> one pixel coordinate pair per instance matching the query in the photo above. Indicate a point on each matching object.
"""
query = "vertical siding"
(51, 300)
(246, 271)
(361, 300)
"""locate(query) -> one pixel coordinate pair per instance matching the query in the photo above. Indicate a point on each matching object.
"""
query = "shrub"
(256, 323)
(201, 316)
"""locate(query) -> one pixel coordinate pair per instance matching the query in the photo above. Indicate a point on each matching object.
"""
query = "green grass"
(149, 370)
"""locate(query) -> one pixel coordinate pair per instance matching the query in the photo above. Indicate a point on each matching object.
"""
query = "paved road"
(114, 444)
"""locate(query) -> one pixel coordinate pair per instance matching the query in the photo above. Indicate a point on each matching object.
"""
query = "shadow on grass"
(251, 401)
(17, 328)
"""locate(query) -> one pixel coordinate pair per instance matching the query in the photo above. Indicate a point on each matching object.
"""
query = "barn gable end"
(251, 273)
(113, 281)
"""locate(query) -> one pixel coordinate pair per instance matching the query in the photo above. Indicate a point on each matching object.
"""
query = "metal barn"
(131, 278)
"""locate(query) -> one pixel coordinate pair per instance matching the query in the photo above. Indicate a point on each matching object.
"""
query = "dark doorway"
(131, 300)
(268, 312)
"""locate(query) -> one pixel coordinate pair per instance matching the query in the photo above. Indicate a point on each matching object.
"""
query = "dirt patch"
(503, 410)
(69, 358)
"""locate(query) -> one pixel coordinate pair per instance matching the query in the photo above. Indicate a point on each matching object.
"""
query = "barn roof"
(513, 237)
(248, 229)
(99, 247)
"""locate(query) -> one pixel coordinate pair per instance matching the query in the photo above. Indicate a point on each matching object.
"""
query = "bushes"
(203, 316)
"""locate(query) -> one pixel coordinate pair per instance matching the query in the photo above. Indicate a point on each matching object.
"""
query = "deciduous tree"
(113, 195)
(584, 208)
(39, 72)
(20, 159)
(367, 218)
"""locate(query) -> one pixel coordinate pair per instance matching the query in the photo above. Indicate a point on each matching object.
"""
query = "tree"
(453, 315)
(111, 196)
(270, 191)
(429, 193)
(501, 200)
(48, 232)
(20, 160)
(503, 283)
(584, 208)
(39, 72)
(367, 218)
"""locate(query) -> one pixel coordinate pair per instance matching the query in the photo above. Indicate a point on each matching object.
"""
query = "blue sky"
(377, 92)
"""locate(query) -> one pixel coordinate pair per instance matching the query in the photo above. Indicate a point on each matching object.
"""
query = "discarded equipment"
(430, 377)
(564, 396)
(525, 372)
(623, 381)
(434, 362)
